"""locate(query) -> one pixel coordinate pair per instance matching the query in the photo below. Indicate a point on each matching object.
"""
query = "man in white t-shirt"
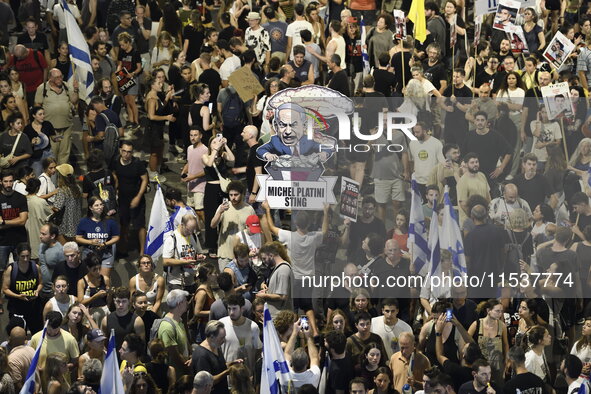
(180, 255)
(298, 360)
(571, 367)
(242, 334)
(231, 64)
(426, 152)
(294, 28)
(389, 326)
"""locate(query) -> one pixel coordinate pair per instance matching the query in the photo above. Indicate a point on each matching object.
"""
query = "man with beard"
(13, 216)
(489, 146)
(472, 182)
(277, 289)
(356, 232)
(482, 372)
(434, 69)
(533, 187)
(426, 153)
(242, 334)
(483, 102)
(254, 165)
(448, 173)
(460, 95)
(231, 217)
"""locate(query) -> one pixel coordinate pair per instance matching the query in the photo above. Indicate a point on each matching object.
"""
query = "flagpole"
(563, 138)
(402, 57)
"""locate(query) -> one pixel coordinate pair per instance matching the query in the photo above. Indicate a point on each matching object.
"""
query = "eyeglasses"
(139, 373)
(145, 263)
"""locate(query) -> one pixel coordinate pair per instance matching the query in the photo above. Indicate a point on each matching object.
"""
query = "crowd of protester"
(191, 321)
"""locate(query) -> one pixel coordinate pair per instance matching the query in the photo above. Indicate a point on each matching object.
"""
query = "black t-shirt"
(436, 73)
(340, 372)
(533, 100)
(358, 232)
(466, 314)
(458, 373)
(39, 43)
(73, 275)
(484, 77)
(10, 208)
(468, 388)
(526, 383)
(204, 360)
(252, 162)
(402, 77)
(385, 81)
(456, 120)
(340, 82)
(129, 60)
(489, 148)
(484, 246)
(213, 80)
(129, 177)
(195, 38)
(535, 190)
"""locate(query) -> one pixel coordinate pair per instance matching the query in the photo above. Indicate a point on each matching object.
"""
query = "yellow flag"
(417, 16)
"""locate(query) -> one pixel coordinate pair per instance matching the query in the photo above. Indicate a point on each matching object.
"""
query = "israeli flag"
(275, 373)
(434, 246)
(364, 54)
(417, 232)
(111, 382)
(158, 226)
(29, 386)
(451, 236)
(79, 53)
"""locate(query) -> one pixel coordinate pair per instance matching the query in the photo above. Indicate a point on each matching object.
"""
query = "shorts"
(553, 5)
(195, 200)
(132, 217)
(134, 90)
(154, 137)
(389, 190)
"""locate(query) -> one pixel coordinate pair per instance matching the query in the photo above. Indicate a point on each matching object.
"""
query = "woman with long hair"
(171, 23)
(490, 332)
(204, 298)
(260, 108)
(199, 114)
(159, 113)
(400, 230)
(543, 215)
(528, 317)
(317, 24)
(382, 381)
(573, 130)
(54, 374)
(62, 61)
(354, 56)
(488, 74)
(177, 61)
(538, 338)
(5, 90)
(512, 93)
(534, 34)
(360, 302)
(16, 85)
(142, 383)
(9, 106)
(68, 198)
(555, 172)
(93, 288)
(369, 362)
(218, 160)
(78, 322)
(14, 142)
(580, 160)
(129, 59)
(162, 52)
(39, 131)
(194, 35)
(582, 347)
(451, 17)
(337, 321)
(240, 378)
(546, 133)
(22, 177)
(148, 282)
(98, 234)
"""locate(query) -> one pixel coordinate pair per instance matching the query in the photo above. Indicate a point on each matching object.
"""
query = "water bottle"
(87, 293)
(406, 389)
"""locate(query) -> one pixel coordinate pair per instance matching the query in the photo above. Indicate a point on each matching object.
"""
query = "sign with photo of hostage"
(557, 101)
(349, 204)
(297, 151)
(506, 14)
(399, 25)
(559, 50)
(518, 42)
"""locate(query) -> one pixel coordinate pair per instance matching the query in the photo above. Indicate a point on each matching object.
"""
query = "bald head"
(478, 213)
(510, 193)
(392, 250)
(20, 51)
(56, 77)
(18, 336)
(250, 132)
(350, 269)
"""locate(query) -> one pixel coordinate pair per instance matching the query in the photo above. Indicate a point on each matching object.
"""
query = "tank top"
(341, 51)
(206, 305)
(159, 372)
(62, 307)
(64, 67)
(196, 118)
(89, 291)
(450, 348)
(24, 283)
(488, 345)
(122, 325)
(152, 292)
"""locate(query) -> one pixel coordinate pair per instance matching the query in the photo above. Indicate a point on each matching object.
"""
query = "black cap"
(269, 12)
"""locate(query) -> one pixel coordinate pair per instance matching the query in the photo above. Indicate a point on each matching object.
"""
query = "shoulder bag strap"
(18, 137)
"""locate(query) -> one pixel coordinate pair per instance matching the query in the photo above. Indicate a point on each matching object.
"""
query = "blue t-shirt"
(103, 230)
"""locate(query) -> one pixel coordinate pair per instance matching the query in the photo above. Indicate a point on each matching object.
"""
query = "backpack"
(156, 326)
(14, 272)
(167, 269)
(233, 111)
(514, 253)
(111, 141)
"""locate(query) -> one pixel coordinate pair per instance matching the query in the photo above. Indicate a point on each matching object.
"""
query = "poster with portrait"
(349, 204)
(517, 38)
(506, 14)
(399, 25)
(557, 101)
(558, 50)
(477, 30)
(453, 32)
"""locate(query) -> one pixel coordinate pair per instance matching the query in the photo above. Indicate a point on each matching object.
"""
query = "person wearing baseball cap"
(65, 169)
(95, 335)
(258, 38)
(254, 224)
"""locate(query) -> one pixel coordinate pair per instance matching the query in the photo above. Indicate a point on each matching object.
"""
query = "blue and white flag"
(79, 53)
(111, 382)
(364, 54)
(324, 377)
(29, 386)
(584, 387)
(434, 247)
(417, 231)
(275, 373)
(451, 236)
(158, 226)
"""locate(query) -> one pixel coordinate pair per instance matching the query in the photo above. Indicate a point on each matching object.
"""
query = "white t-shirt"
(575, 386)
(310, 376)
(180, 275)
(46, 187)
(58, 13)
(426, 155)
(584, 354)
(550, 132)
(293, 31)
(535, 364)
(20, 187)
(389, 334)
(229, 65)
(302, 250)
(241, 341)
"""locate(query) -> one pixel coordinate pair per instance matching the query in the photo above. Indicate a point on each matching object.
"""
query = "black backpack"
(233, 111)
(111, 141)
(514, 253)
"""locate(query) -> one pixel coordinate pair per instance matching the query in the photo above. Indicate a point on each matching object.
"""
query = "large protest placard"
(245, 83)
(349, 204)
(557, 101)
(517, 38)
(399, 25)
(506, 13)
(559, 50)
